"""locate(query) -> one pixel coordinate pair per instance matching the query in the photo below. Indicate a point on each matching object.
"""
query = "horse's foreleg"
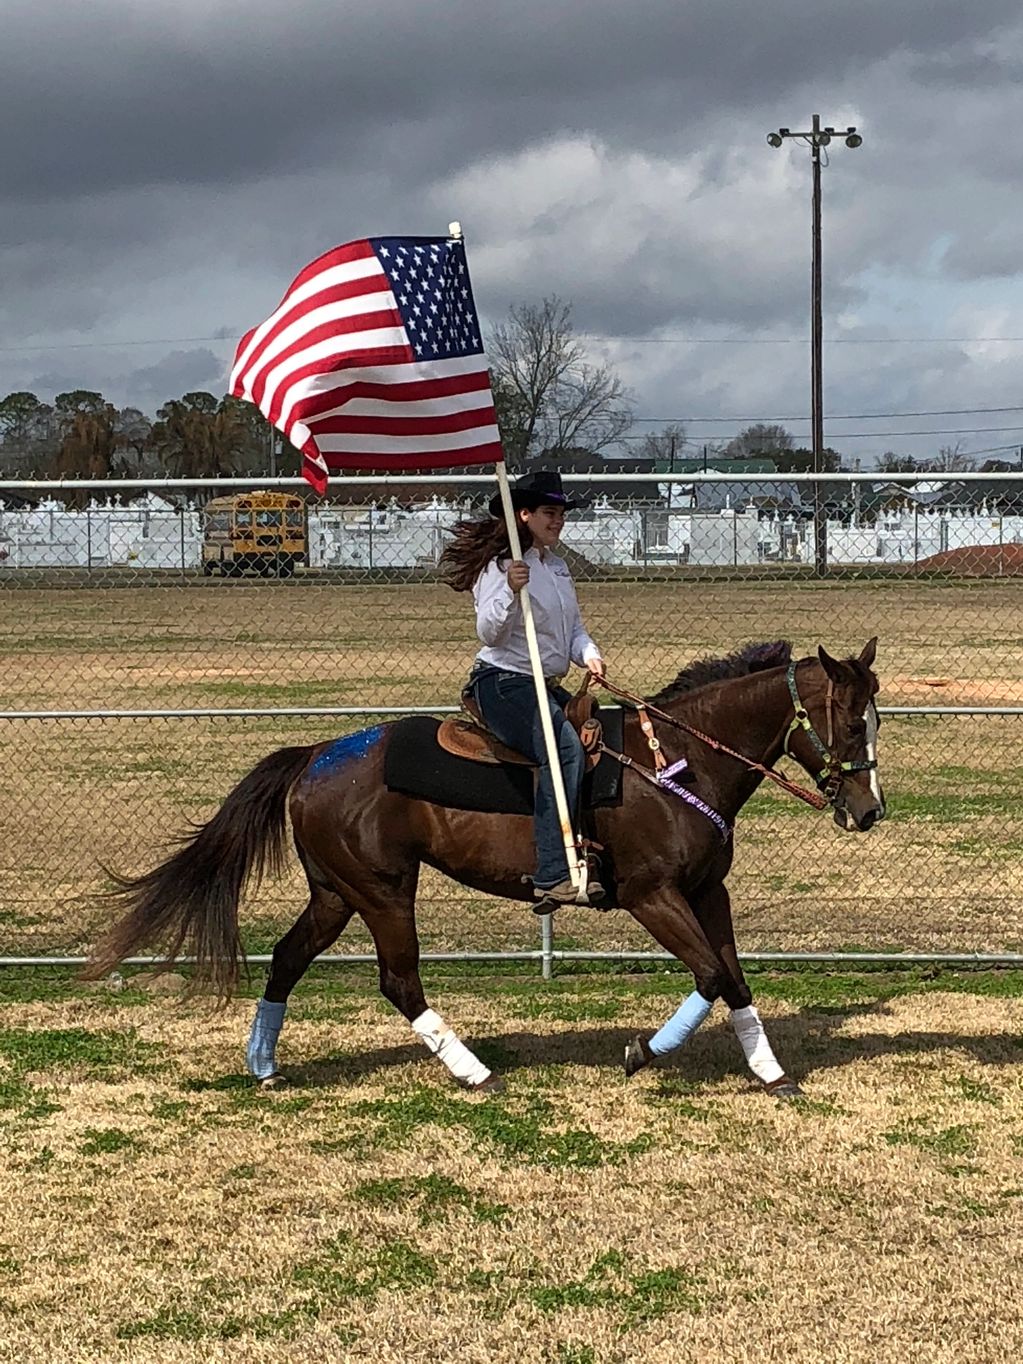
(714, 908)
(397, 944)
(319, 925)
(669, 919)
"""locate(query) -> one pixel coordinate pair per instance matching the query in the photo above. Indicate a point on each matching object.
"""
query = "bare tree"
(950, 459)
(762, 438)
(549, 398)
(891, 463)
(664, 447)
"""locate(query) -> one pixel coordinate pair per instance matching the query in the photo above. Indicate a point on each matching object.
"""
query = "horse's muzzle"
(862, 823)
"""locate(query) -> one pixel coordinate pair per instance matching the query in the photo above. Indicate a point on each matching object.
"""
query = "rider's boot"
(551, 898)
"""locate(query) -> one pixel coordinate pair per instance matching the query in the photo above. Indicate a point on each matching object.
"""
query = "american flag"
(373, 360)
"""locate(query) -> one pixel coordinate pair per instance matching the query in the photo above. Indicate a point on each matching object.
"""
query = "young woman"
(479, 560)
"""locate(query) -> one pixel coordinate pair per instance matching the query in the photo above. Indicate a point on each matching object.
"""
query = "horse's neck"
(747, 713)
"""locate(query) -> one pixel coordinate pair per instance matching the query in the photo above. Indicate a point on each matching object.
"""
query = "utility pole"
(816, 139)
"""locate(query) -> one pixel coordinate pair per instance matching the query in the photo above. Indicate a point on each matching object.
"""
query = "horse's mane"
(751, 658)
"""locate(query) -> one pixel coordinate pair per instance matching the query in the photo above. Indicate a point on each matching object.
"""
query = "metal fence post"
(547, 943)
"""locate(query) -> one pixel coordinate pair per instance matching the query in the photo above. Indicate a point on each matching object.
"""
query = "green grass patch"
(434, 1196)
(345, 1268)
(25, 1102)
(958, 1140)
(96, 1055)
(636, 1298)
(108, 1141)
(521, 1129)
(976, 1091)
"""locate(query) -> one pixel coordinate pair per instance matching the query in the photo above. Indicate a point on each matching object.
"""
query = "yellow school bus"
(259, 532)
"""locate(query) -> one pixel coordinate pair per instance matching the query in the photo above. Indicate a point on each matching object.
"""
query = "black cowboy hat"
(540, 489)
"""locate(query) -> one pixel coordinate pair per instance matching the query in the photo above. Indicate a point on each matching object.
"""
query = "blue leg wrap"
(266, 1028)
(681, 1026)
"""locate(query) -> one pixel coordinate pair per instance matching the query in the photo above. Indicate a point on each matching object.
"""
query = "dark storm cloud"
(119, 94)
(181, 371)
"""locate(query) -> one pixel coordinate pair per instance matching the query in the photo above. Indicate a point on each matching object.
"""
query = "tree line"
(554, 407)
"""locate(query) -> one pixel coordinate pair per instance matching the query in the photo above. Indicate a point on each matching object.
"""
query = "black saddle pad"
(416, 765)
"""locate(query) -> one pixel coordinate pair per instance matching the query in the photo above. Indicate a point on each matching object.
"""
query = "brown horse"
(362, 845)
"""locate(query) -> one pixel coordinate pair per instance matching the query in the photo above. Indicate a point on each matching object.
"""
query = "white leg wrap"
(445, 1044)
(753, 1040)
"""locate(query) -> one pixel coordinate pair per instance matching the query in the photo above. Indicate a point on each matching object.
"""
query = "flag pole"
(577, 869)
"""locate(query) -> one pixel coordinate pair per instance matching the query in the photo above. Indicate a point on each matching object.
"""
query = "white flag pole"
(576, 869)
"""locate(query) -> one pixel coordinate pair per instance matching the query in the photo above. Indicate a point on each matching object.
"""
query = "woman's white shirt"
(560, 633)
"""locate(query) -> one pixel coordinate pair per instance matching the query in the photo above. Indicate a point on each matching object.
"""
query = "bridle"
(830, 777)
(646, 709)
(828, 780)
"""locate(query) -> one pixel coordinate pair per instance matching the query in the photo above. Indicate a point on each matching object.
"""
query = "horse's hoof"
(493, 1084)
(270, 1082)
(784, 1088)
(637, 1055)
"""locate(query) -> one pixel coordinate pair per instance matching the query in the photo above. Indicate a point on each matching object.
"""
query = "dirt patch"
(957, 690)
(981, 561)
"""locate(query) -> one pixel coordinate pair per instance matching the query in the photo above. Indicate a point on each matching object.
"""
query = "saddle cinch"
(468, 737)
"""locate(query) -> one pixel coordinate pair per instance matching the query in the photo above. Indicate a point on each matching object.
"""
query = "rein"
(645, 710)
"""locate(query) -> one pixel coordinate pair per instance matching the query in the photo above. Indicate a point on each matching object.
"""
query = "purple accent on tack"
(675, 767)
(664, 779)
(352, 746)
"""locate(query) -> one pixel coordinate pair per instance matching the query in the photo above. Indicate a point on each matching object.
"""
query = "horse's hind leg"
(320, 924)
(393, 927)
(714, 910)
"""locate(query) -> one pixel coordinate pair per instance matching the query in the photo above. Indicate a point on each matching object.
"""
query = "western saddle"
(467, 735)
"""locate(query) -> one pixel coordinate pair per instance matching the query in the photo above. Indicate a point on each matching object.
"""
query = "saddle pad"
(416, 765)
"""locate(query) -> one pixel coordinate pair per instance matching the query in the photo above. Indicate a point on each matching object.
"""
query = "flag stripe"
(306, 286)
(350, 340)
(487, 452)
(325, 394)
(346, 302)
(324, 357)
(337, 442)
(373, 360)
(399, 424)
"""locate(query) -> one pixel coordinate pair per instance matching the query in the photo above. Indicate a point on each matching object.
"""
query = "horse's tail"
(191, 900)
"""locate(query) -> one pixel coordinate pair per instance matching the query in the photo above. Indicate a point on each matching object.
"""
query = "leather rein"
(644, 710)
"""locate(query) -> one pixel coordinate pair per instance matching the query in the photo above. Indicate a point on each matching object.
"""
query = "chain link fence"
(153, 653)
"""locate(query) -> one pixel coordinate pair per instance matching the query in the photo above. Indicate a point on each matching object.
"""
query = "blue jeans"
(508, 703)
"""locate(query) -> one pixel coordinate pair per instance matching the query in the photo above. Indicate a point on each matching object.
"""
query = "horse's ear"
(869, 653)
(830, 665)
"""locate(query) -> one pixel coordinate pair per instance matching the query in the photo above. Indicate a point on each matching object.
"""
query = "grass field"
(943, 871)
(154, 1207)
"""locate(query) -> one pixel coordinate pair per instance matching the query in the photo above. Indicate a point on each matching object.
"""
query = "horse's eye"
(857, 728)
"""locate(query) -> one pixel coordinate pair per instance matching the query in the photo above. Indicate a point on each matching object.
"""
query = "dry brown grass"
(943, 872)
(159, 1211)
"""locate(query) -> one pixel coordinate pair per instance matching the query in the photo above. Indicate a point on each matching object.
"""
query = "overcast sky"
(168, 168)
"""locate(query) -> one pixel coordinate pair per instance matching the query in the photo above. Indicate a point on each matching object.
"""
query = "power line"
(838, 417)
(101, 345)
(804, 340)
(875, 435)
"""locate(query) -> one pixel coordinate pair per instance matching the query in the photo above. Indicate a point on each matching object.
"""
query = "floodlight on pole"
(817, 138)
